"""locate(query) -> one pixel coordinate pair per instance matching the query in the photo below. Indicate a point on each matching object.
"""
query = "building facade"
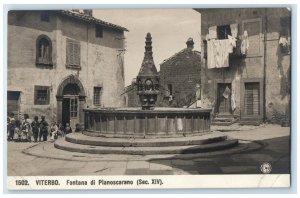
(180, 78)
(60, 62)
(251, 80)
(179, 84)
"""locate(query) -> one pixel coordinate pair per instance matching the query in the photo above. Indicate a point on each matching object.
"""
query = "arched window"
(43, 51)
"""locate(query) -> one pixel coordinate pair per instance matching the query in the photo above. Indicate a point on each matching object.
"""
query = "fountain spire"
(148, 66)
(148, 78)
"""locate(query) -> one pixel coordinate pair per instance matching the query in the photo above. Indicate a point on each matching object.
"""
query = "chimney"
(88, 12)
(190, 43)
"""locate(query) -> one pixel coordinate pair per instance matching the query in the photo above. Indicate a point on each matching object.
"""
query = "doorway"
(70, 111)
(13, 102)
(252, 99)
(224, 99)
(70, 102)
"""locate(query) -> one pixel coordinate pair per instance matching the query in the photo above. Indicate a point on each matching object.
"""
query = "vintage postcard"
(148, 98)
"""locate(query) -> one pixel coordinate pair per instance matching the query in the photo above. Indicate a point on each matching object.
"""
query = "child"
(54, 131)
(61, 130)
(18, 130)
(78, 128)
(68, 129)
(11, 127)
(26, 129)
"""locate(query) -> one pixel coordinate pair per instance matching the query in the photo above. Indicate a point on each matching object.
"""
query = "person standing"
(11, 127)
(26, 129)
(43, 129)
(35, 125)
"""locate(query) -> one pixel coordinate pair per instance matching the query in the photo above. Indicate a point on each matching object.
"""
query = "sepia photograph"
(134, 97)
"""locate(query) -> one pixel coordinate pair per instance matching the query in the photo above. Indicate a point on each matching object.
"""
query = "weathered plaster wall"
(101, 62)
(251, 67)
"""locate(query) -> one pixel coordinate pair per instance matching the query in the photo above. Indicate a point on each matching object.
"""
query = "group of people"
(39, 130)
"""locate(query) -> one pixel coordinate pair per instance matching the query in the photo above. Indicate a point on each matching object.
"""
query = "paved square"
(58, 162)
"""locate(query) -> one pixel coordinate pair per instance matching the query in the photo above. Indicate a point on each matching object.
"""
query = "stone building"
(61, 61)
(251, 80)
(179, 80)
(180, 77)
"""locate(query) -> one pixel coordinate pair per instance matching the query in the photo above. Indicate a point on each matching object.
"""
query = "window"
(73, 107)
(73, 54)
(223, 31)
(97, 95)
(45, 17)
(99, 31)
(285, 23)
(255, 37)
(41, 95)
(170, 89)
(43, 50)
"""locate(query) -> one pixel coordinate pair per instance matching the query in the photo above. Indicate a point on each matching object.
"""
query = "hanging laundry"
(283, 41)
(234, 30)
(212, 31)
(218, 53)
(207, 37)
(233, 105)
(245, 43)
(232, 42)
(226, 93)
(211, 54)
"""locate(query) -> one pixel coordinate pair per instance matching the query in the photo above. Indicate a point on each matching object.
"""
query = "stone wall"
(278, 68)
(264, 54)
(182, 71)
(101, 61)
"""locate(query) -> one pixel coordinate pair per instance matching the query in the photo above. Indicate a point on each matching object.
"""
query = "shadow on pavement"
(276, 152)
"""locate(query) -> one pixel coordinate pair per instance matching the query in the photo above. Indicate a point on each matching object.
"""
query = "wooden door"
(252, 99)
(224, 99)
(65, 111)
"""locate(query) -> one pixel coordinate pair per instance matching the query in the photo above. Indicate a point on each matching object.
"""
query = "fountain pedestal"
(156, 123)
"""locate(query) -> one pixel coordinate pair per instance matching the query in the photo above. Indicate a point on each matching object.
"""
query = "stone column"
(59, 109)
(81, 107)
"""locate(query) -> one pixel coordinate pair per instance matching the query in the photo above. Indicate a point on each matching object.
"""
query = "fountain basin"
(138, 123)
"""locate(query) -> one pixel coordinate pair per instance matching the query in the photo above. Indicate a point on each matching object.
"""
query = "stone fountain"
(149, 129)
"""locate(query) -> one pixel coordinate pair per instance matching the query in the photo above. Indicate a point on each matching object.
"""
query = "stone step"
(143, 136)
(68, 146)
(79, 138)
(224, 119)
(250, 122)
(222, 123)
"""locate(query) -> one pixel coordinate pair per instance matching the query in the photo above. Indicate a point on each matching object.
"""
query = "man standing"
(35, 125)
(43, 129)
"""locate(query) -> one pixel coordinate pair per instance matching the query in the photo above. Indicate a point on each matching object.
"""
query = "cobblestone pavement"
(276, 141)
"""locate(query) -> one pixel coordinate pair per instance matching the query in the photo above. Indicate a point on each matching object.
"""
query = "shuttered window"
(73, 54)
(252, 99)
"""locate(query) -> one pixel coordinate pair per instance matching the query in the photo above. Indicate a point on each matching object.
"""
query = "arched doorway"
(70, 101)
